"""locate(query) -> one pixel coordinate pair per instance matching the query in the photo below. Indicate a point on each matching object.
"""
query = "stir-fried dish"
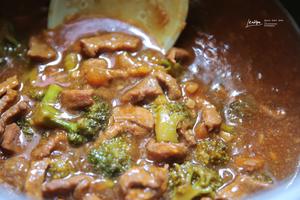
(90, 113)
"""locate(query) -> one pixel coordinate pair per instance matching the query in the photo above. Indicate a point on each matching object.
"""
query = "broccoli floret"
(76, 139)
(26, 127)
(187, 181)
(212, 152)
(112, 157)
(262, 177)
(168, 116)
(60, 168)
(94, 119)
(242, 108)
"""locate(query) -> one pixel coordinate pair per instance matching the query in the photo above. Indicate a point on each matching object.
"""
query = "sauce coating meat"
(100, 115)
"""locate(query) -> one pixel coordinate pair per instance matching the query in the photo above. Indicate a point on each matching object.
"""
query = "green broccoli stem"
(51, 94)
(47, 115)
(166, 126)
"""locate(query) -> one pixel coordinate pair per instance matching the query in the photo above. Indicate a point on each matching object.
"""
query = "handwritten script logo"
(265, 23)
(255, 22)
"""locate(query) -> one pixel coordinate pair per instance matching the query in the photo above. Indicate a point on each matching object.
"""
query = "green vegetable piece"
(168, 115)
(263, 177)
(212, 152)
(95, 118)
(26, 127)
(71, 61)
(242, 108)
(112, 157)
(60, 168)
(51, 94)
(46, 115)
(187, 181)
(227, 128)
(76, 139)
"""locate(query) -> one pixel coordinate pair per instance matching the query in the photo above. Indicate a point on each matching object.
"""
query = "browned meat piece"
(151, 177)
(39, 50)
(178, 54)
(211, 118)
(186, 131)
(249, 164)
(110, 42)
(201, 131)
(8, 99)
(122, 127)
(10, 140)
(91, 197)
(63, 186)
(10, 83)
(93, 63)
(129, 119)
(81, 189)
(125, 61)
(96, 73)
(174, 91)
(135, 114)
(189, 137)
(35, 178)
(146, 88)
(77, 99)
(240, 187)
(140, 194)
(163, 151)
(45, 147)
(18, 109)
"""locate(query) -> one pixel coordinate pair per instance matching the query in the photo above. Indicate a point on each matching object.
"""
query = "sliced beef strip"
(177, 54)
(8, 99)
(63, 186)
(151, 177)
(122, 127)
(201, 131)
(174, 91)
(146, 88)
(163, 151)
(241, 186)
(76, 99)
(93, 63)
(40, 50)
(35, 178)
(96, 73)
(10, 139)
(135, 114)
(109, 42)
(81, 189)
(10, 83)
(189, 137)
(45, 148)
(91, 197)
(211, 118)
(16, 110)
(140, 194)
(129, 119)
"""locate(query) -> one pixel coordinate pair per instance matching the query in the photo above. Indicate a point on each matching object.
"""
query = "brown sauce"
(257, 65)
